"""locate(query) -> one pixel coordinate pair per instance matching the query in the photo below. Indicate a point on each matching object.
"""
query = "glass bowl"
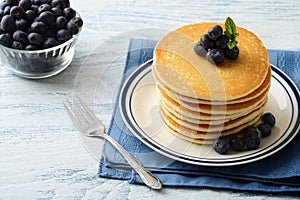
(39, 63)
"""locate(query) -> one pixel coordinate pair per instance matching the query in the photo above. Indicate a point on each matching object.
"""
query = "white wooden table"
(41, 154)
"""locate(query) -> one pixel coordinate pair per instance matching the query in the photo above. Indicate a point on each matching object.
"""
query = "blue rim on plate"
(281, 83)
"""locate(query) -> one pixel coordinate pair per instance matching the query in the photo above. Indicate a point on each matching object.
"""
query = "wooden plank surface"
(43, 157)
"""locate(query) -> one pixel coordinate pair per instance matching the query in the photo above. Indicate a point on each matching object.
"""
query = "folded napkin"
(279, 173)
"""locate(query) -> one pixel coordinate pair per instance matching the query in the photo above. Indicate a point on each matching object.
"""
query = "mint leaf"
(232, 44)
(231, 33)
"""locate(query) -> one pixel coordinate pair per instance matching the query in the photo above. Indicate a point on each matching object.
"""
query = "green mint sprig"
(231, 33)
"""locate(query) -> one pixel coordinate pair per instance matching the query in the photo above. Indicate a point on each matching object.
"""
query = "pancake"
(174, 59)
(199, 101)
(195, 134)
(258, 92)
(214, 109)
(220, 126)
(203, 118)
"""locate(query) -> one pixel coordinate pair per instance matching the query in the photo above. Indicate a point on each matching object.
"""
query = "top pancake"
(181, 70)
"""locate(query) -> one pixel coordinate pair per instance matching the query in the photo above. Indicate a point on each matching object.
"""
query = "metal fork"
(88, 124)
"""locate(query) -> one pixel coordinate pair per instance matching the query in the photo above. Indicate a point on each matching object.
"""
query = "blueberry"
(49, 42)
(200, 50)
(222, 42)
(265, 129)
(6, 10)
(31, 47)
(221, 145)
(43, 8)
(72, 28)
(251, 137)
(252, 143)
(35, 38)
(50, 33)
(12, 2)
(251, 131)
(207, 42)
(17, 45)
(63, 35)
(17, 12)
(3, 4)
(8, 24)
(1, 14)
(231, 53)
(237, 143)
(78, 21)
(30, 15)
(69, 13)
(22, 24)
(40, 2)
(215, 56)
(35, 8)
(269, 118)
(215, 32)
(61, 22)
(38, 27)
(67, 3)
(5, 39)
(56, 11)
(20, 36)
(47, 17)
(58, 3)
(25, 4)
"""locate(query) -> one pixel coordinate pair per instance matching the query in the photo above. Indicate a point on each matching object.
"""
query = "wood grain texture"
(43, 157)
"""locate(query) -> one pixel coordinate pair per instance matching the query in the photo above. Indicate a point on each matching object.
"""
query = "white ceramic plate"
(140, 111)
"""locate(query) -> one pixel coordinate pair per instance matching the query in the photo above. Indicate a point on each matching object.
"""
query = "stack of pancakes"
(200, 101)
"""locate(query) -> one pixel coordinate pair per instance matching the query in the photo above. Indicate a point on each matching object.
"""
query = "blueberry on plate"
(269, 118)
(252, 143)
(265, 129)
(221, 145)
(251, 131)
(251, 138)
(215, 56)
(237, 143)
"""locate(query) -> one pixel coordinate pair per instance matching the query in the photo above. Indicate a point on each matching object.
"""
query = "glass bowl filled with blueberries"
(37, 37)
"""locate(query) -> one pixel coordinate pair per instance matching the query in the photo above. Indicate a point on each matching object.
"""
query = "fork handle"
(148, 178)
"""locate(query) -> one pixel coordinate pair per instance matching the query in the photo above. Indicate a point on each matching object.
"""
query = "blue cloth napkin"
(279, 173)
